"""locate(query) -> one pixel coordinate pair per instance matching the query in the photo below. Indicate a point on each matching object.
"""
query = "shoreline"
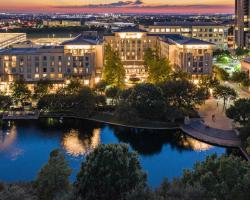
(201, 137)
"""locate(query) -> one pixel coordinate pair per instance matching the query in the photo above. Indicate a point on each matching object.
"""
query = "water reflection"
(7, 138)
(196, 145)
(25, 145)
(152, 142)
(77, 146)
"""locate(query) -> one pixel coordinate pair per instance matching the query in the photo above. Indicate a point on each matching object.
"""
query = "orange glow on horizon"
(147, 6)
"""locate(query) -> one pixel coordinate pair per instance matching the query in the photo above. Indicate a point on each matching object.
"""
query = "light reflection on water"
(25, 147)
(75, 146)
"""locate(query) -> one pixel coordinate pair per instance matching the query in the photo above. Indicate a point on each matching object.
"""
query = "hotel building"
(8, 39)
(79, 57)
(189, 54)
(131, 44)
(84, 58)
(207, 31)
(242, 23)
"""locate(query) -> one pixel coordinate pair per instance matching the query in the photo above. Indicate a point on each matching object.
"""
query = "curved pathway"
(197, 129)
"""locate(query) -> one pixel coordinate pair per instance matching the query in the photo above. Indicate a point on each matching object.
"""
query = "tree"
(100, 87)
(221, 74)
(158, 68)
(240, 111)
(179, 74)
(239, 52)
(183, 94)
(147, 100)
(109, 173)
(113, 70)
(159, 71)
(20, 91)
(225, 178)
(225, 93)
(221, 52)
(241, 77)
(81, 104)
(73, 87)
(53, 178)
(223, 59)
(5, 102)
(42, 88)
(113, 94)
(17, 191)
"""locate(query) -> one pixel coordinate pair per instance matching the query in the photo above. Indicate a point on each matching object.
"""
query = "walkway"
(15, 115)
(197, 129)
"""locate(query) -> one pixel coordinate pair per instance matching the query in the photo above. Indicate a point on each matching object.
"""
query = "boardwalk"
(15, 115)
(197, 129)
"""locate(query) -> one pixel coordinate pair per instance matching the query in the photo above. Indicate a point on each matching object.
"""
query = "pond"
(25, 147)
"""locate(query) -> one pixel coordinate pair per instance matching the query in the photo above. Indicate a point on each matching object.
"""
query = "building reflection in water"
(196, 145)
(7, 138)
(77, 146)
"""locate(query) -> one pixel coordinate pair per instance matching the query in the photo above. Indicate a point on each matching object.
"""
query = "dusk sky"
(122, 6)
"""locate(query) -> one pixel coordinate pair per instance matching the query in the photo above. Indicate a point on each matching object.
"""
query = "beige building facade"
(79, 57)
(189, 54)
(242, 23)
(206, 31)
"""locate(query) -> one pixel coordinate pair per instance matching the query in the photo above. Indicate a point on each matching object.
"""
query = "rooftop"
(7, 36)
(130, 30)
(81, 40)
(184, 40)
(181, 23)
(30, 50)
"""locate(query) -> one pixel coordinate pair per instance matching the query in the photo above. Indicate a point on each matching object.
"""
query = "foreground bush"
(109, 173)
(53, 179)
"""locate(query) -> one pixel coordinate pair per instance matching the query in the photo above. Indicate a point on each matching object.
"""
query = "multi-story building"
(8, 39)
(131, 44)
(83, 58)
(189, 54)
(79, 57)
(61, 23)
(207, 31)
(242, 23)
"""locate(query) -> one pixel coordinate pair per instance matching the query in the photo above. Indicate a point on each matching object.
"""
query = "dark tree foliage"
(220, 73)
(53, 179)
(74, 87)
(5, 102)
(225, 93)
(82, 103)
(240, 111)
(113, 94)
(147, 99)
(42, 88)
(183, 94)
(224, 178)
(109, 173)
(20, 91)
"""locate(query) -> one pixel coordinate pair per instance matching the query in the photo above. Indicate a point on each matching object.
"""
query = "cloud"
(140, 5)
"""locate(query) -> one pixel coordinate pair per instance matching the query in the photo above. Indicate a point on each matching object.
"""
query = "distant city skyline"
(120, 6)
